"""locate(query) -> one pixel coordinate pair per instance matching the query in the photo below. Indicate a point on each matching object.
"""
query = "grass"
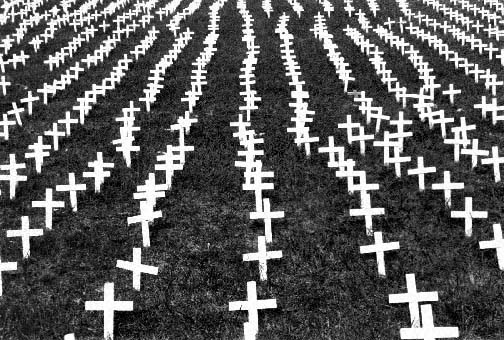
(324, 288)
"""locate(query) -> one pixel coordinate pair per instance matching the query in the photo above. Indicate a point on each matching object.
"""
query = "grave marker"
(5, 266)
(451, 92)
(447, 186)
(421, 171)
(413, 298)
(252, 305)
(38, 153)
(13, 178)
(108, 306)
(428, 331)
(468, 214)
(25, 233)
(262, 256)
(55, 134)
(137, 267)
(495, 160)
(48, 204)
(99, 173)
(497, 244)
(266, 214)
(379, 248)
(72, 188)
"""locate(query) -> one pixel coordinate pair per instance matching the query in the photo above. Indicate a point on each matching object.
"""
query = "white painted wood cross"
(468, 214)
(55, 134)
(5, 123)
(413, 298)
(447, 186)
(451, 92)
(99, 173)
(379, 248)
(68, 121)
(13, 178)
(29, 100)
(332, 151)
(252, 305)
(48, 204)
(421, 171)
(497, 243)
(496, 161)
(258, 186)
(367, 211)
(262, 256)
(168, 164)
(39, 152)
(4, 83)
(5, 266)
(108, 306)
(72, 188)
(16, 113)
(25, 233)
(428, 331)
(474, 152)
(150, 191)
(266, 214)
(137, 267)
(147, 214)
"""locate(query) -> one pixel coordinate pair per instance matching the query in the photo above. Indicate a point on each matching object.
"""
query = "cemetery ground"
(325, 289)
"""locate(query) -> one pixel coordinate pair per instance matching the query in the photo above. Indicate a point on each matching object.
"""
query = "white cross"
(349, 125)
(55, 134)
(428, 331)
(468, 214)
(252, 305)
(413, 298)
(397, 160)
(5, 266)
(13, 176)
(38, 153)
(25, 233)
(68, 121)
(495, 160)
(45, 90)
(99, 173)
(367, 212)
(447, 186)
(29, 99)
(49, 205)
(108, 306)
(72, 188)
(5, 123)
(262, 256)
(70, 336)
(266, 214)
(4, 84)
(474, 152)
(168, 165)
(451, 92)
(497, 244)
(125, 145)
(332, 150)
(258, 186)
(150, 191)
(421, 171)
(137, 267)
(347, 170)
(16, 111)
(379, 248)
(147, 214)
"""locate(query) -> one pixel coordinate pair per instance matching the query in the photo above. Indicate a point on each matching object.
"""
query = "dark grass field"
(324, 288)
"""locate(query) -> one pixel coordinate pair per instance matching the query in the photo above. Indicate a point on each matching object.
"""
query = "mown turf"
(324, 288)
